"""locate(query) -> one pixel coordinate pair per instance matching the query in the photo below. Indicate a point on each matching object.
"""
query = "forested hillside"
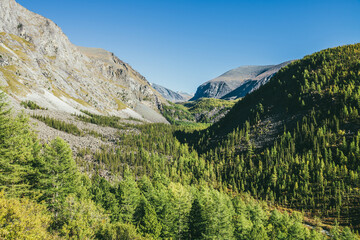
(281, 165)
(164, 191)
(295, 141)
(204, 110)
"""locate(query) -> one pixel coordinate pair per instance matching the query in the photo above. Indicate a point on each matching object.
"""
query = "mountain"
(39, 63)
(170, 94)
(296, 139)
(46, 195)
(186, 95)
(145, 184)
(282, 164)
(237, 82)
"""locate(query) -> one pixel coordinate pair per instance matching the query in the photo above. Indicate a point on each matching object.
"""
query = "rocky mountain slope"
(237, 82)
(170, 94)
(39, 63)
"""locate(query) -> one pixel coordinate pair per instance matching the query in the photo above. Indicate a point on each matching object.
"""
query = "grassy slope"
(205, 110)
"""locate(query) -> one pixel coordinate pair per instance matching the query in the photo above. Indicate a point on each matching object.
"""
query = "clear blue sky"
(183, 43)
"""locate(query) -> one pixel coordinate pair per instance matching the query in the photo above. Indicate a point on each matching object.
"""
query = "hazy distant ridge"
(170, 94)
(237, 82)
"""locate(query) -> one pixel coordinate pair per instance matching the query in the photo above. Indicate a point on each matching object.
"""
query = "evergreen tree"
(197, 223)
(16, 145)
(58, 174)
(128, 195)
(23, 219)
(103, 193)
(180, 203)
(146, 219)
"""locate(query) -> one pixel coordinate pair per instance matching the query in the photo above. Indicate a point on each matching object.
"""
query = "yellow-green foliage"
(51, 57)
(84, 91)
(185, 113)
(31, 105)
(120, 231)
(59, 93)
(3, 50)
(23, 42)
(120, 104)
(21, 54)
(80, 101)
(17, 44)
(207, 104)
(10, 68)
(83, 218)
(14, 85)
(23, 219)
(118, 85)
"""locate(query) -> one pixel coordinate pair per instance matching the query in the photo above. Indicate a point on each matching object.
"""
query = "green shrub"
(31, 105)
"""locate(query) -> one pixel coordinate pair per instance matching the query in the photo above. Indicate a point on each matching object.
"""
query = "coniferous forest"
(282, 164)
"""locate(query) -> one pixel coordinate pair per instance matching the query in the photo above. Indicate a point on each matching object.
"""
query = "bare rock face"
(39, 63)
(215, 89)
(237, 82)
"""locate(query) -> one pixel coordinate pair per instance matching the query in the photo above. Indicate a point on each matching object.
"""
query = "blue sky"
(182, 43)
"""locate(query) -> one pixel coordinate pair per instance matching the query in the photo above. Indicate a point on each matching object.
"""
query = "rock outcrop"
(237, 82)
(39, 63)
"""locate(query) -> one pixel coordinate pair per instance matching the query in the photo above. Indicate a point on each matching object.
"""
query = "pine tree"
(128, 195)
(23, 219)
(196, 221)
(180, 202)
(225, 212)
(16, 145)
(102, 192)
(217, 215)
(58, 174)
(146, 219)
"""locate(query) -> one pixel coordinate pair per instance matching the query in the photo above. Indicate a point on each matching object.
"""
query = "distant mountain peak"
(171, 95)
(246, 78)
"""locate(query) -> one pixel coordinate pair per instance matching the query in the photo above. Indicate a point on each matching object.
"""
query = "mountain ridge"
(171, 95)
(236, 80)
(39, 63)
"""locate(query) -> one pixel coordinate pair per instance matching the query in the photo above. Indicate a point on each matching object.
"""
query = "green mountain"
(163, 189)
(281, 164)
(295, 141)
